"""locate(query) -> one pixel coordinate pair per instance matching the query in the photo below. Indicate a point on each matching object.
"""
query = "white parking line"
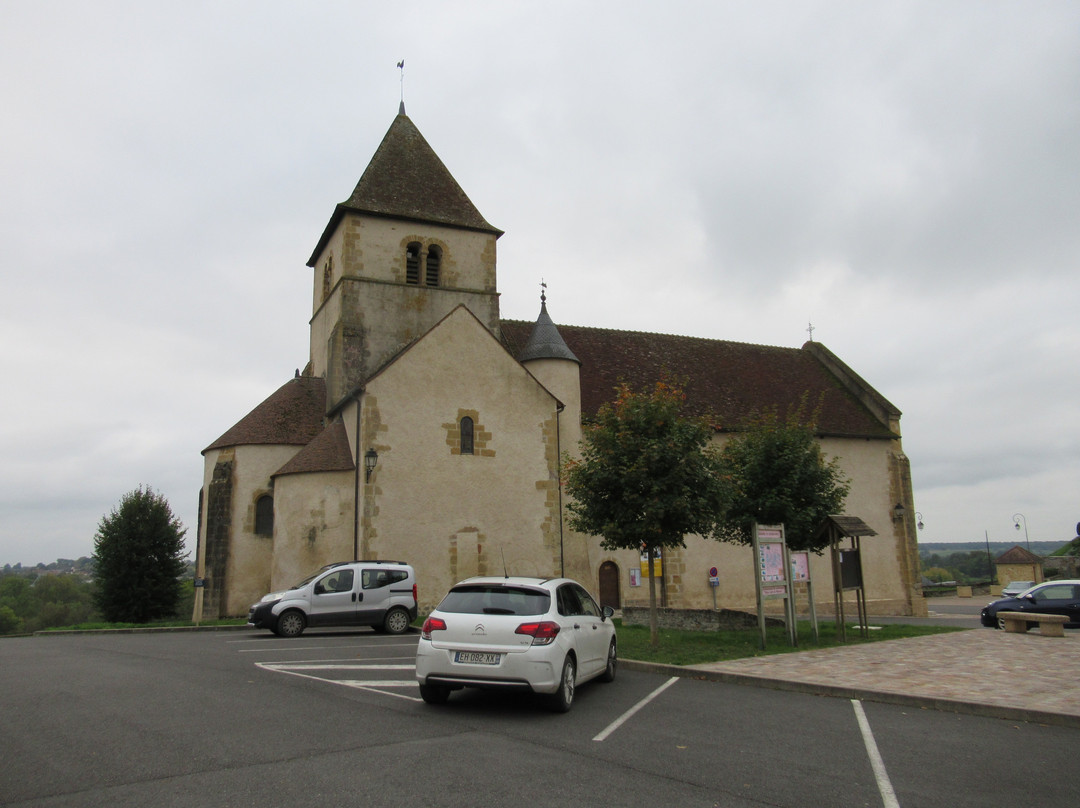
(888, 796)
(625, 716)
(372, 686)
(333, 666)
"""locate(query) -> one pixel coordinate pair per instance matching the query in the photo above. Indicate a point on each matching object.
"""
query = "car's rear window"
(494, 599)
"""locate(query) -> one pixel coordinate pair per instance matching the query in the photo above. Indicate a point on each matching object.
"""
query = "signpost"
(773, 579)
(800, 574)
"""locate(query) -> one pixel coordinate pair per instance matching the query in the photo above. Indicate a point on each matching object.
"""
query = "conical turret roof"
(545, 341)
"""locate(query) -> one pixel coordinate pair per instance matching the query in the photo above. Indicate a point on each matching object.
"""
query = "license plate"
(476, 658)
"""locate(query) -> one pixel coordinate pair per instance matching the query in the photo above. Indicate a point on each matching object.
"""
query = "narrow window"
(264, 516)
(466, 435)
(412, 263)
(328, 277)
(434, 258)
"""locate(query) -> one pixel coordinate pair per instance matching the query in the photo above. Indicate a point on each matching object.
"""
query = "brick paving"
(981, 671)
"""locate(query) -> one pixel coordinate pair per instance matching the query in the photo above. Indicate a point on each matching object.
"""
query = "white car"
(546, 635)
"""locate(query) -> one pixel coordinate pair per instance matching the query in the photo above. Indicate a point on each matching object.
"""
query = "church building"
(425, 428)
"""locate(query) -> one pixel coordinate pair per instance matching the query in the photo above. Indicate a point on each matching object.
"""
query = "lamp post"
(1016, 523)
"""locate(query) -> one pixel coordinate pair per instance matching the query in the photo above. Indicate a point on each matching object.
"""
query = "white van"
(350, 593)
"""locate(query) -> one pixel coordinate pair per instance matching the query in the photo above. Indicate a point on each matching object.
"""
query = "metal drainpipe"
(357, 396)
(558, 478)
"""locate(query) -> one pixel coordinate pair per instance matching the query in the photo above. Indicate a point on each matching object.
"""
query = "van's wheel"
(434, 694)
(291, 624)
(396, 621)
(612, 663)
(563, 699)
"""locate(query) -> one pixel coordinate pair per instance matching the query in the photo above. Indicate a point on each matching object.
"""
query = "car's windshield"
(495, 599)
(309, 579)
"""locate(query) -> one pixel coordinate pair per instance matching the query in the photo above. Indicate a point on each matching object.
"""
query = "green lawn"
(698, 647)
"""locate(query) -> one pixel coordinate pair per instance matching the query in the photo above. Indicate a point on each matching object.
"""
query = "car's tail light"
(542, 633)
(414, 598)
(432, 624)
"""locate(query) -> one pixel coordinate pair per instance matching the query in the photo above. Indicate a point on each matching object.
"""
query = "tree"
(138, 559)
(779, 475)
(646, 477)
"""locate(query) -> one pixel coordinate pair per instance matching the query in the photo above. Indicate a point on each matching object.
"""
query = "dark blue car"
(1052, 597)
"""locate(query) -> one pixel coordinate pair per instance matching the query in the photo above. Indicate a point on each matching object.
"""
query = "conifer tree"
(138, 559)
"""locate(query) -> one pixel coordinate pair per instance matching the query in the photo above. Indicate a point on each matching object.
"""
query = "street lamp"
(371, 457)
(918, 521)
(1016, 523)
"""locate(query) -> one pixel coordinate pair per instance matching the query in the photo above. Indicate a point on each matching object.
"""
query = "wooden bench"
(1050, 625)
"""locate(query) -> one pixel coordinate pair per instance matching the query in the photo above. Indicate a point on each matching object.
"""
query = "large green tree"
(647, 476)
(138, 559)
(779, 475)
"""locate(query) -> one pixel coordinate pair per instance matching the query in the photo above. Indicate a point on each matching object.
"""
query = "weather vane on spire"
(401, 67)
(543, 292)
(810, 330)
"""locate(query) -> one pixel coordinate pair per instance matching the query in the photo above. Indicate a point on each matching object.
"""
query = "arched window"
(327, 277)
(434, 259)
(466, 429)
(412, 263)
(264, 516)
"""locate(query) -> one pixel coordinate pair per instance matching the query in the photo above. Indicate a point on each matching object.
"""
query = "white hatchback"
(546, 635)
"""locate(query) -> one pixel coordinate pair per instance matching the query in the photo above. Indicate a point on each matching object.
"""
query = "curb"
(136, 630)
(884, 697)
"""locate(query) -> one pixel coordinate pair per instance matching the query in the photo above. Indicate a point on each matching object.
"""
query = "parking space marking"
(618, 722)
(371, 685)
(331, 666)
(888, 796)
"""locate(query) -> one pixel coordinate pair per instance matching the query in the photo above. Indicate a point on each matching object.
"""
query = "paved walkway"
(983, 671)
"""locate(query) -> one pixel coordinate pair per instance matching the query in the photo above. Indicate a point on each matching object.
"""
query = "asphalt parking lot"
(245, 718)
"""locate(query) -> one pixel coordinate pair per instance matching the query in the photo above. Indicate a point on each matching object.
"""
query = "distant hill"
(1042, 548)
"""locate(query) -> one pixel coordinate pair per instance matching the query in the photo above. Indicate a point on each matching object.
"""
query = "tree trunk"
(654, 631)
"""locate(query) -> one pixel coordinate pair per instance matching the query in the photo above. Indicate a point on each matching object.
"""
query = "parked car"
(1051, 597)
(1016, 588)
(350, 593)
(544, 635)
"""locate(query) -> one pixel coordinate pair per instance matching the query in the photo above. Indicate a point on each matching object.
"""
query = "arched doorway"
(609, 585)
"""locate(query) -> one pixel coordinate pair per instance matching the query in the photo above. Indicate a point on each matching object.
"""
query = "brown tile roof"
(1017, 555)
(291, 416)
(327, 452)
(407, 180)
(729, 380)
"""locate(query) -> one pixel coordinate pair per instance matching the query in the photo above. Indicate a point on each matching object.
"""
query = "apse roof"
(292, 415)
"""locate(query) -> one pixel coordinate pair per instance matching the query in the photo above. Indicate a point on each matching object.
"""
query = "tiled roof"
(545, 342)
(291, 416)
(731, 381)
(328, 452)
(1017, 555)
(407, 180)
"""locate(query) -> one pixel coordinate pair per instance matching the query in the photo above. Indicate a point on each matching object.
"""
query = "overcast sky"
(904, 175)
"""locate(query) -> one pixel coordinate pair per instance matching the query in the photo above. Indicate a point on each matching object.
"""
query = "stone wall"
(696, 619)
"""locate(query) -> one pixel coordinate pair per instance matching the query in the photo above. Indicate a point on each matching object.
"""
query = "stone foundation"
(695, 619)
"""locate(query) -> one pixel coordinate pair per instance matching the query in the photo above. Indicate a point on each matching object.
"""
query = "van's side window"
(374, 579)
(340, 581)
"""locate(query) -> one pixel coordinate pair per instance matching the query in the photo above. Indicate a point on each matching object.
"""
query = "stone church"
(425, 428)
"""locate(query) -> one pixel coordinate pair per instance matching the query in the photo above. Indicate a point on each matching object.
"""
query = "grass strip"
(681, 647)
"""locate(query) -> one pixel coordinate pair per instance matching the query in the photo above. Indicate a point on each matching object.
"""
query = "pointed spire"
(545, 341)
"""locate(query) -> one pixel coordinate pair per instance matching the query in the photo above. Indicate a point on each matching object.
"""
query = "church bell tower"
(404, 250)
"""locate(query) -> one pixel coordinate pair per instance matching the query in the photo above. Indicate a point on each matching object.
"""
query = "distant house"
(1018, 564)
